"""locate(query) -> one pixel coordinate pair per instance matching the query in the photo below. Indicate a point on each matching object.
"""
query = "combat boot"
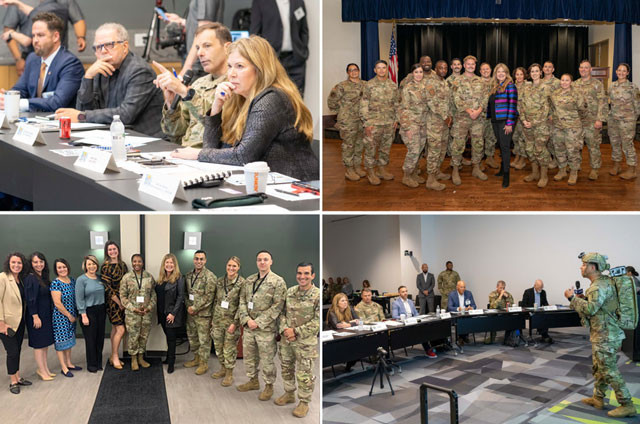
(616, 168)
(514, 162)
(301, 410)
(562, 172)
(417, 177)
(627, 410)
(573, 177)
(593, 175)
(442, 176)
(192, 363)
(228, 377)
(267, 392)
(384, 174)
(478, 173)
(553, 164)
(433, 184)
(220, 373)
(134, 363)
(596, 402)
(287, 397)
(252, 384)
(544, 178)
(535, 173)
(490, 161)
(361, 172)
(372, 177)
(408, 180)
(466, 162)
(522, 163)
(455, 176)
(629, 174)
(142, 362)
(350, 174)
(202, 367)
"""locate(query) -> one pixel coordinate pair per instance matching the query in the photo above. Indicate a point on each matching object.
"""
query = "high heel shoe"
(52, 374)
(42, 377)
(118, 367)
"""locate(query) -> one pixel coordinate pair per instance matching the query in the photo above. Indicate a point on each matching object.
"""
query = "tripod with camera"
(382, 369)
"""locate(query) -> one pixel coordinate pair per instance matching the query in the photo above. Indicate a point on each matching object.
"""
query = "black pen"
(286, 192)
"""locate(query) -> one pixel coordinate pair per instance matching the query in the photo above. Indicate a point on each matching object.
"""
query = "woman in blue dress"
(39, 311)
(63, 292)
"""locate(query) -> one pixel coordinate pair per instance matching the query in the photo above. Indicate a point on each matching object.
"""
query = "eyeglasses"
(353, 69)
(108, 46)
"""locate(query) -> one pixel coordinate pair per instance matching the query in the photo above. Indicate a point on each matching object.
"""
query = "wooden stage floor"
(606, 194)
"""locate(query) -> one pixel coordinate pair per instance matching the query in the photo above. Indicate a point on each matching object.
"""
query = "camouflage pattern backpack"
(627, 311)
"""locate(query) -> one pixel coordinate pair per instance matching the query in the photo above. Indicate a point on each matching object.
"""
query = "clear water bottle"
(117, 139)
(438, 311)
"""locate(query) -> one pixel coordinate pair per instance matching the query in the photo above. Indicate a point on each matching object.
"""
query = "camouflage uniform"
(567, 109)
(201, 290)
(259, 345)
(409, 78)
(438, 110)
(447, 281)
(598, 313)
(185, 124)
(470, 94)
(453, 81)
(302, 313)
(593, 92)
(487, 129)
(377, 110)
(137, 326)
(494, 303)
(625, 108)
(226, 344)
(411, 114)
(344, 100)
(534, 106)
(518, 134)
(369, 313)
(552, 84)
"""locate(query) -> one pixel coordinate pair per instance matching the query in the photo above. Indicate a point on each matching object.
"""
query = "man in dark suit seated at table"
(537, 295)
(52, 74)
(118, 83)
(404, 305)
(461, 300)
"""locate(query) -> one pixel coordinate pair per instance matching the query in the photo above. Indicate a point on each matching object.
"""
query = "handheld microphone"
(186, 80)
(578, 291)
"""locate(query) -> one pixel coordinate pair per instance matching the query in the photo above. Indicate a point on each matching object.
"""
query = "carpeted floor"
(495, 384)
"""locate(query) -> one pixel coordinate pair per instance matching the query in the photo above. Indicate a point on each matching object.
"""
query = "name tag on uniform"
(250, 305)
(298, 13)
(224, 304)
(192, 297)
(140, 299)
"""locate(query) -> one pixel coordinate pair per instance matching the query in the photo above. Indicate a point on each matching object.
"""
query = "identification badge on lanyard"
(225, 305)
(250, 306)
(140, 299)
(192, 297)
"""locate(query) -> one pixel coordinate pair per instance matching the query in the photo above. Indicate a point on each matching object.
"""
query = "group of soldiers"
(436, 114)
(261, 304)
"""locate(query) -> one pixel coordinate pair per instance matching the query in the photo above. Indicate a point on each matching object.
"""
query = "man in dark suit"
(537, 295)
(52, 74)
(284, 24)
(425, 283)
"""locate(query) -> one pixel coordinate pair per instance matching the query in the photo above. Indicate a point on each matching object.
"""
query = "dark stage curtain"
(621, 48)
(621, 11)
(514, 45)
(370, 48)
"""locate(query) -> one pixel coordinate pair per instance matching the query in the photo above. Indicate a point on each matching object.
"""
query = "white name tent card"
(164, 187)
(379, 327)
(515, 309)
(28, 134)
(4, 122)
(476, 312)
(411, 321)
(550, 308)
(327, 335)
(445, 315)
(96, 160)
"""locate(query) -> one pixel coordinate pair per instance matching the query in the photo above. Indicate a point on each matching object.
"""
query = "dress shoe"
(75, 368)
(24, 382)
(14, 388)
(67, 374)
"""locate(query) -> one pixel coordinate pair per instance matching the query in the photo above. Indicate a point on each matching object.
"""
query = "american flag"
(393, 58)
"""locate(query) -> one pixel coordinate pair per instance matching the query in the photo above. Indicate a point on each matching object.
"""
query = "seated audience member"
(461, 300)
(341, 315)
(404, 305)
(366, 284)
(184, 124)
(347, 288)
(537, 295)
(52, 74)
(118, 83)
(258, 115)
(499, 299)
(368, 310)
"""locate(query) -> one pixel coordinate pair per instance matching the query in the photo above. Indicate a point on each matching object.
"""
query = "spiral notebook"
(197, 177)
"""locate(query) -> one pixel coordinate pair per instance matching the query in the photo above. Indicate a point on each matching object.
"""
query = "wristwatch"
(82, 117)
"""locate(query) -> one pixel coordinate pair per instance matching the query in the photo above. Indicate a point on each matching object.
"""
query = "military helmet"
(595, 258)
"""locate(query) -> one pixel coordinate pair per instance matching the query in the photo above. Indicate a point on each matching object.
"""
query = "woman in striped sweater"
(502, 110)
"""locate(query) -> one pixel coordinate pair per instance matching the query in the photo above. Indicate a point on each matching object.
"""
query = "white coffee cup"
(256, 175)
(12, 105)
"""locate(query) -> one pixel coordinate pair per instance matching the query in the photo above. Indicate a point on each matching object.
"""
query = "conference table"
(52, 182)
(353, 344)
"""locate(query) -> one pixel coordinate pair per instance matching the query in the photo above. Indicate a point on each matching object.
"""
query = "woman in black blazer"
(171, 313)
